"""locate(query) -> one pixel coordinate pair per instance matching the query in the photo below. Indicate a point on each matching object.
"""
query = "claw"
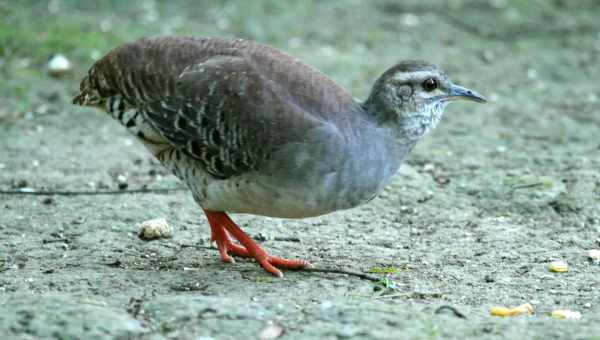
(222, 228)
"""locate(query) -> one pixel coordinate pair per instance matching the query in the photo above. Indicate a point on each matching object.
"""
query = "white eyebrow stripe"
(407, 76)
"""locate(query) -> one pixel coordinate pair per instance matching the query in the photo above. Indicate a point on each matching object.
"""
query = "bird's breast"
(315, 178)
(312, 178)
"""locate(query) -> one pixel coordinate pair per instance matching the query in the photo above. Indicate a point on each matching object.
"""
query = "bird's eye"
(430, 84)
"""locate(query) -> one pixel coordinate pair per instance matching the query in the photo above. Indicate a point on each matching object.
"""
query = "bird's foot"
(222, 227)
(225, 245)
(270, 263)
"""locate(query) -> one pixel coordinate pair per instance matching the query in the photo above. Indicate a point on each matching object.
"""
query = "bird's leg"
(222, 227)
(222, 238)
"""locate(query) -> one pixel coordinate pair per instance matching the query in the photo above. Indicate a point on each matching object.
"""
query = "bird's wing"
(216, 101)
(226, 116)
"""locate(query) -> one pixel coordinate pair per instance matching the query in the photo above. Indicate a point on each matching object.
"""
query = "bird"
(250, 129)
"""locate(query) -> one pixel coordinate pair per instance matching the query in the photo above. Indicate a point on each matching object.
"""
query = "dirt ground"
(471, 221)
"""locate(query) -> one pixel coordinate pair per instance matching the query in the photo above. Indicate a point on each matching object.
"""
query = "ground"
(471, 221)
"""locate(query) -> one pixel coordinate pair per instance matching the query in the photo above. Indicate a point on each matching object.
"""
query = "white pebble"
(594, 255)
(58, 65)
(565, 314)
(155, 229)
(271, 331)
(410, 20)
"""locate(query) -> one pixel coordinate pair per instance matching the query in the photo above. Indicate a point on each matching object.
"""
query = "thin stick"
(390, 296)
(345, 272)
(526, 186)
(455, 311)
(286, 239)
(316, 270)
(54, 240)
(88, 192)
(181, 245)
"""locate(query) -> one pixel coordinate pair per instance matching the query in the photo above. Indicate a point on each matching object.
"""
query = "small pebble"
(59, 65)
(22, 183)
(516, 311)
(155, 229)
(488, 56)
(429, 167)
(565, 314)
(122, 182)
(594, 255)
(532, 73)
(410, 20)
(271, 331)
(558, 266)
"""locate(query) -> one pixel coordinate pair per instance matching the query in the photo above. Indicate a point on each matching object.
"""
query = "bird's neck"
(373, 155)
(378, 136)
(406, 127)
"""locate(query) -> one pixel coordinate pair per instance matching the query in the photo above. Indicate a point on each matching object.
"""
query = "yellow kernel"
(558, 266)
(500, 311)
(565, 314)
(516, 311)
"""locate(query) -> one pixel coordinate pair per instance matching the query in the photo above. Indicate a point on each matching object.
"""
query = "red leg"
(222, 227)
(223, 240)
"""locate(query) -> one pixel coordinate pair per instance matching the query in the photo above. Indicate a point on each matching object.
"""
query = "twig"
(345, 272)
(454, 311)
(390, 296)
(54, 240)
(286, 239)
(525, 186)
(88, 192)
(316, 270)
(181, 245)
(262, 238)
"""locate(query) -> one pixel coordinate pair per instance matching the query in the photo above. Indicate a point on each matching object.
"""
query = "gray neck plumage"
(378, 151)
(378, 129)
(408, 127)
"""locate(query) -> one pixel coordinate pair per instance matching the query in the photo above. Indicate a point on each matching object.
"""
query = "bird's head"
(412, 95)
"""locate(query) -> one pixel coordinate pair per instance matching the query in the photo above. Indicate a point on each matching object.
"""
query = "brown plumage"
(197, 93)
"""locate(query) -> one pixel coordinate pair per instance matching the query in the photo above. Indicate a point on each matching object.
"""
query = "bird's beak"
(458, 92)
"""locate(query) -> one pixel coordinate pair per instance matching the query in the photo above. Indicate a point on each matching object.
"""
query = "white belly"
(247, 193)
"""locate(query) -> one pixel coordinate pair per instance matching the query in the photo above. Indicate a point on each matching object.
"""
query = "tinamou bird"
(250, 129)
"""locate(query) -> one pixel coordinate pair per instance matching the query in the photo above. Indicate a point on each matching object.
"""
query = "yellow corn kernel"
(558, 266)
(565, 314)
(516, 311)
(500, 311)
